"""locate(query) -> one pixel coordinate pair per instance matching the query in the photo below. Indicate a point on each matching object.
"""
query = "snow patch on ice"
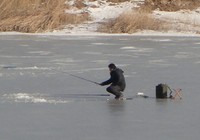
(31, 98)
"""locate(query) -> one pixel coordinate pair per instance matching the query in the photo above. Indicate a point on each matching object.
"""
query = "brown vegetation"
(79, 4)
(171, 5)
(132, 22)
(46, 15)
(35, 15)
(141, 19)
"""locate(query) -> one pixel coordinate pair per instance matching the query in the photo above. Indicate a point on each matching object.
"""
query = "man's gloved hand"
(101, 84)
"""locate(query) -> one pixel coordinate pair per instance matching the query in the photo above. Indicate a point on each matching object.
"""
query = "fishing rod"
(83, 79)
(79, 77)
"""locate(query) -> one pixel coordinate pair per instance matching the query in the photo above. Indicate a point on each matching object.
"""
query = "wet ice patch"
(9, 66)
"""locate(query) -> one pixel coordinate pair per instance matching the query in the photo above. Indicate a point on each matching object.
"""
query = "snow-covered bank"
(142, 33)
(99, 11)
(182, 23)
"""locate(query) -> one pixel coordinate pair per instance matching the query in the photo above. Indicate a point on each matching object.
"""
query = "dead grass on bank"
(171, 5)
(133, 22)
(32, 16)
(117, 1)
(141, 19)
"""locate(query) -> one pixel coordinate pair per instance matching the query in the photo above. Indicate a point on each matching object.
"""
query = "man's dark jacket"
(116, 79)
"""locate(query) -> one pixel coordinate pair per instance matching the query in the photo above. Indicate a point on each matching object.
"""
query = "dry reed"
(35, 15)
(132, 22)
(143, 20)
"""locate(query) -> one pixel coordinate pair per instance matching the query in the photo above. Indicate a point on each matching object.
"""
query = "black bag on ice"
(161, 91)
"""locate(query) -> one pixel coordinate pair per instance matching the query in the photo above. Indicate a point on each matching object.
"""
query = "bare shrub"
(35, 15)
(133, 22)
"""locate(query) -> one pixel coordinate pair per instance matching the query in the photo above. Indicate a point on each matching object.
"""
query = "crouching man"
(117, 82)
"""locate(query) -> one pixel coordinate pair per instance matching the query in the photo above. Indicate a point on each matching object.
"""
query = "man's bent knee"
(114, 90)
(109, 89)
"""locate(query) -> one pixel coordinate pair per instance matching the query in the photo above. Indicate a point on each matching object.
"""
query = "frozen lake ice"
(40, 100)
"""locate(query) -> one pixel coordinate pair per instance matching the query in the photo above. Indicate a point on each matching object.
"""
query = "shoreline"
(144, 33)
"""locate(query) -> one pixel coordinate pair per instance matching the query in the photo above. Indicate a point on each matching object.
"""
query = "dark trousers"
(115, 90)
